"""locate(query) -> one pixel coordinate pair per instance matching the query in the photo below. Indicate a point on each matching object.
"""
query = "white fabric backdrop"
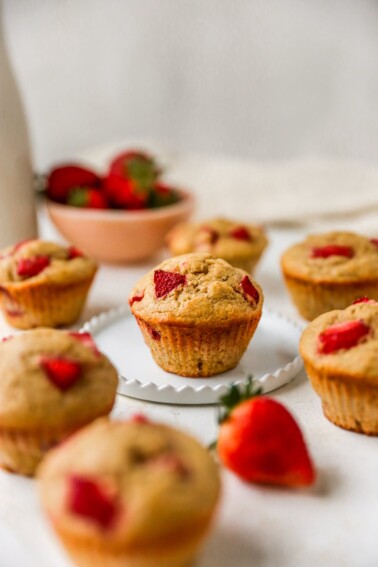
(263, 79)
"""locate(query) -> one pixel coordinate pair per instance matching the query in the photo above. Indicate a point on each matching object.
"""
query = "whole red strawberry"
(162, 195)
(260, 441)
(87, 198)
(131, 180)
(124, 193)
(62, 179)
(134, 164)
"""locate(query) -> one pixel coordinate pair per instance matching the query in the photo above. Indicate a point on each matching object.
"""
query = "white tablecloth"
(333, 524)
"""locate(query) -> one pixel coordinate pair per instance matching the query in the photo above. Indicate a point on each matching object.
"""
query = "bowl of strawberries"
(120, 217)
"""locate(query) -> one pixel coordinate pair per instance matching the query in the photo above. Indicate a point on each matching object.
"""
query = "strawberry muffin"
(197, 314)
(239, 244)
(52, 383)
(340, 353)
(135, 494)
(43, 284)
(329, 271)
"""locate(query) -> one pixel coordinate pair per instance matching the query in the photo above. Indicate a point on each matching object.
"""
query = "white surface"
(271, 357)
(333, 524)
(276, 79)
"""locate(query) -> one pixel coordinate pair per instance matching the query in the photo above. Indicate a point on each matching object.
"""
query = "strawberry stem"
(236, 395)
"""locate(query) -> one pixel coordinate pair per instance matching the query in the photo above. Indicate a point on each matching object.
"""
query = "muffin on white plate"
(197, 314)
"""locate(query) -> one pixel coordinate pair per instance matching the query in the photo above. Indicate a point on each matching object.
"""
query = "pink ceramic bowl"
(118, 236)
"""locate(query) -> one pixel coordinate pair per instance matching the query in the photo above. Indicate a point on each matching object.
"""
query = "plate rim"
(102, 320)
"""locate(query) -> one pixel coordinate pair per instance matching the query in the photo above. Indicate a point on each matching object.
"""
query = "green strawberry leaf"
(78, 197)
(143, 171)
(235, 395)
(157, 199)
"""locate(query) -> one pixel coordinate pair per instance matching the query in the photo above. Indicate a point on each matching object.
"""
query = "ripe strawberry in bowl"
(130, 179)
(122, 217)
(133, 183)
(88, 198)
(63, 179)
(260, 441)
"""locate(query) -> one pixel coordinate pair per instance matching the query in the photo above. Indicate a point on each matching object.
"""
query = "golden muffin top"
(51, 379)
(134, 482)
(332, 257)
(41, 261)
(196, 288)
(345, 342)
(221, 237)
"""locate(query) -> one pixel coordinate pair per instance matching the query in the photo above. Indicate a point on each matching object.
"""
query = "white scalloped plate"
(272, 358)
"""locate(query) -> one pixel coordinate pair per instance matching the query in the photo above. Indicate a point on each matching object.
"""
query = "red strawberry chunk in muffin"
(165, 282)
(332, 250)
(29, 267)
(62, 372)
(139, 418)
(152, 332)
(74, 252)
(88, 499)
(249, 289)
(86, 339)
(241, 233)
(136, 298)
(362, 300)
(212, 233)
(342, 336)
(171, 463)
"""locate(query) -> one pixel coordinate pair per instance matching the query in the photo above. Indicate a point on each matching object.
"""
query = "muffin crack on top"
(209, 283)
